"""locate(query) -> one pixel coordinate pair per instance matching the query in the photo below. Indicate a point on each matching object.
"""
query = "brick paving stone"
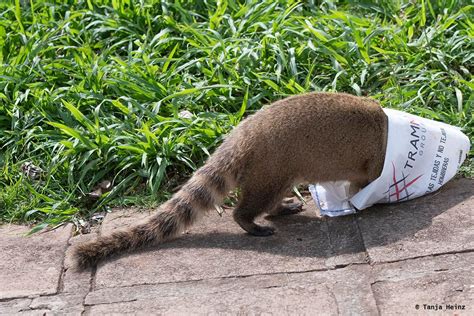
(342, 291)
(14, 306)
(31, 265)
(446, 280)
(350, 286)
(218, 247)
(435, 224)
(74, 280)
(64, 304)
(290, 300)
(207, 287)
(36, 312)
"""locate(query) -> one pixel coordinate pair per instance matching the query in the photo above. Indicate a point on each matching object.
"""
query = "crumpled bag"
(421, 156)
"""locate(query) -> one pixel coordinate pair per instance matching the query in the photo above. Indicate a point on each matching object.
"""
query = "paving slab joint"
(8, 299)
(327, 269)
(433, 255)
(379, 312)
(60, 286)
(361, 236)
(30, 297)
(86, 308)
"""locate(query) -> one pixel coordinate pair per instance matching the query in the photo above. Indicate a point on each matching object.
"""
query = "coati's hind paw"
(287, 209)
(261, 231)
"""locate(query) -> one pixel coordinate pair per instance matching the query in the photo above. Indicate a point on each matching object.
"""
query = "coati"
(309, 138)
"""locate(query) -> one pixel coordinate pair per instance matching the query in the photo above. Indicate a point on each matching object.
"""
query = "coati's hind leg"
(253, 203)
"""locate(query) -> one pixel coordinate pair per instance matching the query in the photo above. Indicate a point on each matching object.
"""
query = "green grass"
(92, 90)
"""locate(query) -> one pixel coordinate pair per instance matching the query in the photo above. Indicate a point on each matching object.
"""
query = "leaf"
(317, 33)
(37, 228)
(120, 106)
(170, 58)
(190, 91)
(272, 84)
(459, 99)
(243, 107)
(132, 149)
(81, 118)
(216, 18)
(18, 15)
(423, 13)
(73, 133)
(158, 176)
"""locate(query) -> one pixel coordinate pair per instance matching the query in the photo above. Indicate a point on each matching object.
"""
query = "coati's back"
(314, 137)
(317, 136)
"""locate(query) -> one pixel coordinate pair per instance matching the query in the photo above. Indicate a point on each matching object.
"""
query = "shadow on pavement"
(305, 235)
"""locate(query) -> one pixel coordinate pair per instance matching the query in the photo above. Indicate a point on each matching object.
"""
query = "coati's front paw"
(262, 231)
(288, 209)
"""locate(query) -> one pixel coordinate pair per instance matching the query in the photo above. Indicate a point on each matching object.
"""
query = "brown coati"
(308, 138)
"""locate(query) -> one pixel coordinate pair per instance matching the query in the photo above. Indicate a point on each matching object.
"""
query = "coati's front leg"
(253, 203)
(356, 186)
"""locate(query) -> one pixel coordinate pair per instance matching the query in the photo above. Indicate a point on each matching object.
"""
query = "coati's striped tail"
(206, 188)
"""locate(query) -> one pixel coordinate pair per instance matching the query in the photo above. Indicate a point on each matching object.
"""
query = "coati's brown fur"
(309, 138)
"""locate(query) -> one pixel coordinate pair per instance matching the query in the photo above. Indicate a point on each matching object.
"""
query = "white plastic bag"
(421, 156)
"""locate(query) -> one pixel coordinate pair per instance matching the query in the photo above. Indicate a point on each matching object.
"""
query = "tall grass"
(93, 90)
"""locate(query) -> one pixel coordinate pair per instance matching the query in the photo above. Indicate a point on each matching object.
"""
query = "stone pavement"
(407, 258)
